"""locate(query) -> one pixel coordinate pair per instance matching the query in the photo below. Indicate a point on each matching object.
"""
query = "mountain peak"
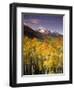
(42, 30)
(41, 33)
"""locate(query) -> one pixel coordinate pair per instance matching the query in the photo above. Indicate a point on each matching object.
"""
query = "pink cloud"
(35, 21)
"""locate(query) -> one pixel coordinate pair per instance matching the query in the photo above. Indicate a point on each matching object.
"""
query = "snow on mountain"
(43, 30)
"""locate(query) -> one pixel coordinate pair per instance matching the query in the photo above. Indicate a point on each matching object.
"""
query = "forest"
(42, 56)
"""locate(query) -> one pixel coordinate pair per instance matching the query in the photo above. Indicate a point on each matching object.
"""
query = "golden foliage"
(46, 54)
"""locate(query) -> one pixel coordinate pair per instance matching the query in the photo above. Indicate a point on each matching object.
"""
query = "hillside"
(38, 34)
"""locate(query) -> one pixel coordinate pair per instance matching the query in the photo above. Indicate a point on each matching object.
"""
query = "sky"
(53, 23)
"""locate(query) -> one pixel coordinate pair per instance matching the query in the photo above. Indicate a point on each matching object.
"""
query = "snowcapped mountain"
(41, 33)
(43, 30)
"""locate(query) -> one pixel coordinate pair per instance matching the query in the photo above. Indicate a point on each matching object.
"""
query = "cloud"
(32, 21)
(35, 21)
